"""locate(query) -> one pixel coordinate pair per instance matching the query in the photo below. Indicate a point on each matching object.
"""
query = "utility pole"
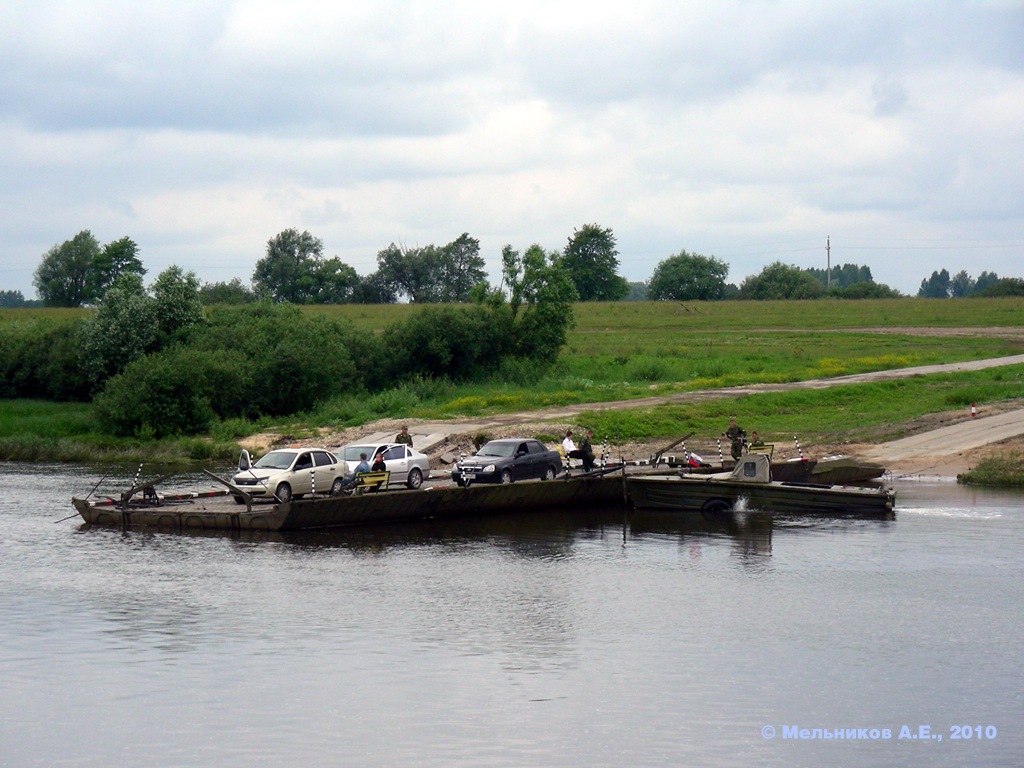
(828, 263)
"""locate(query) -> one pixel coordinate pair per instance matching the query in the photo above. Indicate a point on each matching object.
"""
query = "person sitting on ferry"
(361, 468)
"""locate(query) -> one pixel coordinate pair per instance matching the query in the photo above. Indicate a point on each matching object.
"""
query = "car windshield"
(353, 451)
(276, 460)
(498, 449)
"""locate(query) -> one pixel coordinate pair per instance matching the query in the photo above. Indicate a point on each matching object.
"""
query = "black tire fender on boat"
(716, 506)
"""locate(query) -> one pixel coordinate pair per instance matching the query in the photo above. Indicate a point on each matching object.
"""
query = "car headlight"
(489, 468)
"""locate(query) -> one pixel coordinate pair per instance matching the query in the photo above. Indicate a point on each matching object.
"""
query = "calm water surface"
(573, 639)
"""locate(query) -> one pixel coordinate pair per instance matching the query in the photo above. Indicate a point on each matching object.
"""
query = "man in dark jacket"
(736, 436)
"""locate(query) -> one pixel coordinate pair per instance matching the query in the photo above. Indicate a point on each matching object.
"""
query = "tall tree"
(938, 286)
(842, 276)
(122, 329)
(12, 299)
(336, 281)
(590, 259)
(688, 277)
(985, 280)
(374, 289)
(961, 285)
(463, 268)
(114, 259)
(288, 271)
(411, 272)
(176, 303)
(79, 272)
(431, 274)
(540, 298)
(63, 276)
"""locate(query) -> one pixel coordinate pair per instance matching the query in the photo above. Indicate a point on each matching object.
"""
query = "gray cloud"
(744, 130)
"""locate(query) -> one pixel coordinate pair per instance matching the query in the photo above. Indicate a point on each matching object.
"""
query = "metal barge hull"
(222, 513)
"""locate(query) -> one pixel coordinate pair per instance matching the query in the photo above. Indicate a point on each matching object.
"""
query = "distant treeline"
(294, 269)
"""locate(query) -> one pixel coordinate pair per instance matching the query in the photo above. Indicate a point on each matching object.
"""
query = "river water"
(582, 638)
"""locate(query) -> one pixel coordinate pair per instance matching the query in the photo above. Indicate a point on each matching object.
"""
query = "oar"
(65, 518)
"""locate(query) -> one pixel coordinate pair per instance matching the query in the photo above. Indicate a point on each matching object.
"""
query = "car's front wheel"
(415, 479)
(337, 485)
(549, 474)
(506, 476)
(284, 493)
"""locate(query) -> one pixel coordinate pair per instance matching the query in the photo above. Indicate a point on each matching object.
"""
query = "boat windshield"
(276, 460)
(498, 449)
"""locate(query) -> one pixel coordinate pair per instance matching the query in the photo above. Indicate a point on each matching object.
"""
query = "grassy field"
(594, 318)
(630, 350)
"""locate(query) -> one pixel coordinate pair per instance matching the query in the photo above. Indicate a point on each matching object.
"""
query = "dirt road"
(568, 412)
(948, 450)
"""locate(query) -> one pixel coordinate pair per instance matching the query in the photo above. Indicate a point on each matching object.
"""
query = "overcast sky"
(748, 131)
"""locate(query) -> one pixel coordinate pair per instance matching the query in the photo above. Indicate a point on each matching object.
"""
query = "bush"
(158, 396)
(293, 361)
(1005, 470)
(459, 344)
(40, 359)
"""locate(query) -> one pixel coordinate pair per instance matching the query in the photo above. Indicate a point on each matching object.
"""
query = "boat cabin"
(752, 468)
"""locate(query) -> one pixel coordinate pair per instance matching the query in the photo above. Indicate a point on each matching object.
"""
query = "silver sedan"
(405, 464)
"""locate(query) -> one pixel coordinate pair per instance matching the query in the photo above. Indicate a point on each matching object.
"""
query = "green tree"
(78, 272)
(590, 259)
(10, 299)
(938, 286)
(40, 358)
(985, 280)
(457, 343)
(289, 270)
(961, 285)
(374, 289)
(462, 268)
(781, 281)
(176, 303)
(114, 259)
(431, 274)
(1004, 286)
(122, 329)
(866, 290)
(410, 272)
(62, 278)
(233, 292)
(688, 277)
(539, 312)
(842, 276)
(336, 281)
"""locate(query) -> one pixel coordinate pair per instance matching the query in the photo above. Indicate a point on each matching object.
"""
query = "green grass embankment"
(629, 350)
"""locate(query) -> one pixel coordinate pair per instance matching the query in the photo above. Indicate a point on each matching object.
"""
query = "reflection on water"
(579, 637)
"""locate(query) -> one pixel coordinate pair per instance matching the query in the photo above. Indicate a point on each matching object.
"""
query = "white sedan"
(289, 473)
(405, 464)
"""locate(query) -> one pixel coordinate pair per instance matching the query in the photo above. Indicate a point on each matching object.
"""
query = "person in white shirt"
(568, 445)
